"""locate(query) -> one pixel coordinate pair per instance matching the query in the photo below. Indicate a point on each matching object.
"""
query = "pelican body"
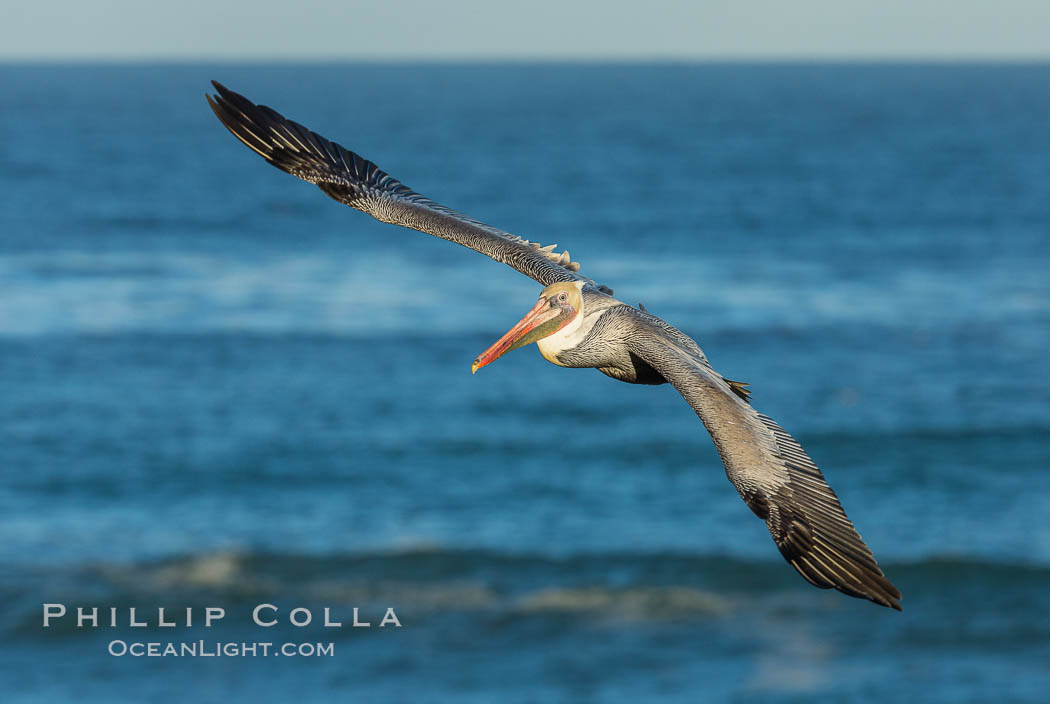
(576, 322)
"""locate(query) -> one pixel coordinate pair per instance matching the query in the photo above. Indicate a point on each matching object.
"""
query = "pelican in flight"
(577, 322)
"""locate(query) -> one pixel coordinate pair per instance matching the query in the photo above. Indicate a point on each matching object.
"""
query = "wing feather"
(359, 183)
(770, 470)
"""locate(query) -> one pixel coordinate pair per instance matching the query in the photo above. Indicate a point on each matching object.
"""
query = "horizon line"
(524, 59)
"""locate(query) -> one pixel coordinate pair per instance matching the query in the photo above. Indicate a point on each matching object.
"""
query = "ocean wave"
(375, 288)
(427, 582)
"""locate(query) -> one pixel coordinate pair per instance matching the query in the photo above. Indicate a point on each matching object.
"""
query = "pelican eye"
(563, 297)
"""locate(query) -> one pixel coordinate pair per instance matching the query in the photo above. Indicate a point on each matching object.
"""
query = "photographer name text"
(263, 615)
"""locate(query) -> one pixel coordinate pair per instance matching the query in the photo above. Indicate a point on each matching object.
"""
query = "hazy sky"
(537, 29)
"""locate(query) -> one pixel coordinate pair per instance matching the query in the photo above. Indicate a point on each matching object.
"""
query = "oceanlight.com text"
(213, 649)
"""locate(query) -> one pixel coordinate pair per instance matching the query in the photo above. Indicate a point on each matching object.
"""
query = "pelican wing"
(770, 470)
(359, 183)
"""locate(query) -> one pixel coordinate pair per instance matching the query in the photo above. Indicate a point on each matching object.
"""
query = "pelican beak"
(521, 334)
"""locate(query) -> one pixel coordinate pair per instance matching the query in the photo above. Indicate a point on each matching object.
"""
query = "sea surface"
(219, 388)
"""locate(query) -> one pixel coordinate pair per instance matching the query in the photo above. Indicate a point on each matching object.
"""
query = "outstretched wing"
(359, 183)
(771, 471)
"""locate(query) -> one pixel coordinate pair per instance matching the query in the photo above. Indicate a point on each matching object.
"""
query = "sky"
(458, 30)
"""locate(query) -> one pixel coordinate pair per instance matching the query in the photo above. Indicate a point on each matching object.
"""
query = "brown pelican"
(576, 322)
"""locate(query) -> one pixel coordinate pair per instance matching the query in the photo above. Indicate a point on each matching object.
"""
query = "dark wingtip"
(888, 602)
(887, 595)
(228, 96)
(214, 100)
(895, 595)
(213, 103)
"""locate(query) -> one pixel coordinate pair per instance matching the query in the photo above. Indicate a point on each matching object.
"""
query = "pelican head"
(558, 306)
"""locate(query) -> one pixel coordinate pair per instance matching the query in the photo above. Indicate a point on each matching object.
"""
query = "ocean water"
(220, 388)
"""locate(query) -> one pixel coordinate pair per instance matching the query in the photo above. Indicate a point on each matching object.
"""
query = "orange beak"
(515, 337)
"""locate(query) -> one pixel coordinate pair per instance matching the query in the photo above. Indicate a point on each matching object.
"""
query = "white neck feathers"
(568, 337)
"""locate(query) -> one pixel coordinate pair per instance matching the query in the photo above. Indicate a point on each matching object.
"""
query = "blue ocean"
(221, 389)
